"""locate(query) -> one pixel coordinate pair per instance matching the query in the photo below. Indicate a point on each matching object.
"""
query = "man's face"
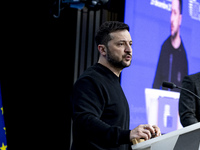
(175, 18)
(119, 51)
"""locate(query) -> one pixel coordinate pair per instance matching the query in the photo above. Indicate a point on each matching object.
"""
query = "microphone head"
(169, 85)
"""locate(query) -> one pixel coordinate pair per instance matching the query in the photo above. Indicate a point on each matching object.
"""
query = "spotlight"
(95, 4)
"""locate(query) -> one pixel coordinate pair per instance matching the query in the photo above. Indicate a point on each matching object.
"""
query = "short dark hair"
(180, 6)
(103, 37)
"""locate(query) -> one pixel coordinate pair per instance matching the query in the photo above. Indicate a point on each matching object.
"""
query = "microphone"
(169, 85)
(172, 85)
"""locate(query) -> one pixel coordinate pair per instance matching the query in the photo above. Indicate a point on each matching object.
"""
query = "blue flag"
(3, 141)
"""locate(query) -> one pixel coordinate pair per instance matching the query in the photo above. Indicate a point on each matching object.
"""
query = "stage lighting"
(95, 4)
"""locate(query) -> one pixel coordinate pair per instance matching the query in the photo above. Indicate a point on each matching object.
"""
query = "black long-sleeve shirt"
(100, 111)
(189, 105)
(172, 65)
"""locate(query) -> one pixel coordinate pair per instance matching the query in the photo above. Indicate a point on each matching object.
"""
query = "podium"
(187, 138)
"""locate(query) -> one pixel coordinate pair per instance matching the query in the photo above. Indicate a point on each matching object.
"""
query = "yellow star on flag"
(2, 110)
(5, 129)
(4, 147)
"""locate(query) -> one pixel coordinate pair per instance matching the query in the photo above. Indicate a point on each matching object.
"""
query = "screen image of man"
(172, 64)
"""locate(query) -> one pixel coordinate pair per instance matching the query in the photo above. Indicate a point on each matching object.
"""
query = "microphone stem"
(188, 91)
(170, 69)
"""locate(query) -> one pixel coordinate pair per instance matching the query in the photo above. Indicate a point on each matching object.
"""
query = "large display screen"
(149, 22)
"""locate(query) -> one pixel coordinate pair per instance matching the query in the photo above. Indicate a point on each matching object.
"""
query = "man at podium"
(100, 109)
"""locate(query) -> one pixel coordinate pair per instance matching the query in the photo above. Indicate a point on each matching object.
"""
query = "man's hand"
(145, 132)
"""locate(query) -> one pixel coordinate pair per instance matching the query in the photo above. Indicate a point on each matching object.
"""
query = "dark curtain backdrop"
(36, 84)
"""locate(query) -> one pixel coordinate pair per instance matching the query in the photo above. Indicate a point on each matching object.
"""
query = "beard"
(174, 35)
(113, 60)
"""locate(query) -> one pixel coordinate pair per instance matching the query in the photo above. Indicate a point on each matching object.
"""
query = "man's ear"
(180, 20)
(102, 49)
